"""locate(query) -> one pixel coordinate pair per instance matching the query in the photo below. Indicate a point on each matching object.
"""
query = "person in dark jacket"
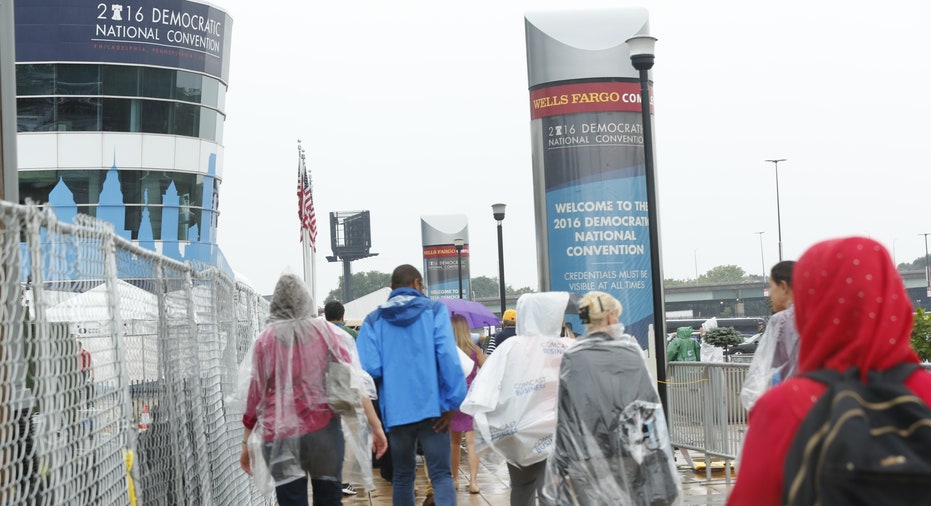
(612, 443)
(508, 329)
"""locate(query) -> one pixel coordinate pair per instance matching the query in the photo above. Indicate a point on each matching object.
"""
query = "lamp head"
(459, 242)
(498, 211)
(641, 51)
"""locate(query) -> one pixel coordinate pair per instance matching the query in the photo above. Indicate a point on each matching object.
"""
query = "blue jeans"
(403, 446)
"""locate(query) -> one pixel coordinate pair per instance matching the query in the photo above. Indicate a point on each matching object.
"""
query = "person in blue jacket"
(408, 347)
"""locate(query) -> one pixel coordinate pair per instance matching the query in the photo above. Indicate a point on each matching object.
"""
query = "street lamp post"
(498, 212)
(642, 57)
(763, 261)
(778, 214)
(459, 242)
(927, 267)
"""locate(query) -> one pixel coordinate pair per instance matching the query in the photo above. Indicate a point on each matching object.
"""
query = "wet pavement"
(494, 487)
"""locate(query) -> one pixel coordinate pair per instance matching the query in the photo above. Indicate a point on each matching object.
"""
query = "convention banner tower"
(589, 173)
(442, 259)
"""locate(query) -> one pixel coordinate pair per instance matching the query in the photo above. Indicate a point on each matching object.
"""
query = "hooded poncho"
(851, 310)
(513, 397)
(287, 394)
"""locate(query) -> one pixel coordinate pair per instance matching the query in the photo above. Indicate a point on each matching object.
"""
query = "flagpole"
(305, 202)
(308, 257)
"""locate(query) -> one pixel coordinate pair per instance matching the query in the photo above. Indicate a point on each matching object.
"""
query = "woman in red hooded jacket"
(851, 310)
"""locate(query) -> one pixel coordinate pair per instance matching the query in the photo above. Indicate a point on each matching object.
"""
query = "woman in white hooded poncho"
(513, 397)
(287, 401)
(611, 444)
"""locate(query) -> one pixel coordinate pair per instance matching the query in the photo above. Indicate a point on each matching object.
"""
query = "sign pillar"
(590, 177)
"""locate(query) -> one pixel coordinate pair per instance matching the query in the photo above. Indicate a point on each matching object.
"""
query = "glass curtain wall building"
(120, 112)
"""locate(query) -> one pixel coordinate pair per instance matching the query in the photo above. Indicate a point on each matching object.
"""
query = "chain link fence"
(115, 367)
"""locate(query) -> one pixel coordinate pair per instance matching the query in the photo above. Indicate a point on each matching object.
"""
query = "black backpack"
(861, 443)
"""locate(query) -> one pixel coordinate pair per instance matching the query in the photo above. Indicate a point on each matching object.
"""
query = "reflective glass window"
(120, 80)
(35, 114)
(187, 120)
(188, 86)
(116, 115)
(158, 83)
(209, 91)
(77, 80)
(35, 79)
(78, 113)
(86, 186)
(155, 117)
(208, 124)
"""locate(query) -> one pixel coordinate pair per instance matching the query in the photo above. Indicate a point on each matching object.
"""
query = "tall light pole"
(763, 260)
(641, 57)
(9, 176)
(696, 263)
(927, 266)
(459, 242)
(498, 212)
(778, 214)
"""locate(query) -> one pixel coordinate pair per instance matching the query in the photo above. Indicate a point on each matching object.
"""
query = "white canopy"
(357, 310)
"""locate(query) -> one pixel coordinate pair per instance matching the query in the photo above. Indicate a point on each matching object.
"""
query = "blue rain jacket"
(407, 346)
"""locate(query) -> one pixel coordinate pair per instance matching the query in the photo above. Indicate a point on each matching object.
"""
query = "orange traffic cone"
(145, 419)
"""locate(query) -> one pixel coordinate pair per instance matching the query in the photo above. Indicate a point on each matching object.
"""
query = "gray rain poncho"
(612, 444)
(287, 396)
(513, 398)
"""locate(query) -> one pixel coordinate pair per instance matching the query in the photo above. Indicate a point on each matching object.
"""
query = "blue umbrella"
(475, 313)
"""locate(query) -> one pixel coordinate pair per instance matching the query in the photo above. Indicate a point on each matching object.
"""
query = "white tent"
(357, 310)
(133, 303)
(90, 320)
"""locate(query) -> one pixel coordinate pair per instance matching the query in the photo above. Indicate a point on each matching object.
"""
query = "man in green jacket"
(683, 348)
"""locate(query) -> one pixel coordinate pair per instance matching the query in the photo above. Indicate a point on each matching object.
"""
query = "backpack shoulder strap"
(896, 374)
(826, 376)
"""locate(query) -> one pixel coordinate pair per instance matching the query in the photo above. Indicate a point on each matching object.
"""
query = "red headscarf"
(851, 308)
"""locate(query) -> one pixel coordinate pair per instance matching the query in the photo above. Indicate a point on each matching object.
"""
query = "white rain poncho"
(287, 397)
(612, 443)
(513, 398)
(774, 360)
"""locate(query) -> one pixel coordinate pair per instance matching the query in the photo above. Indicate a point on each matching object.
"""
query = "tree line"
(364, 283)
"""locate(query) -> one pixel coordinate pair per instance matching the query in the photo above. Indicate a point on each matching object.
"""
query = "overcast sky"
(409, 109)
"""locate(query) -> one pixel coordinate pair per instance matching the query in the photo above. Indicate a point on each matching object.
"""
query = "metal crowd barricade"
(116, 364)
(705, 413)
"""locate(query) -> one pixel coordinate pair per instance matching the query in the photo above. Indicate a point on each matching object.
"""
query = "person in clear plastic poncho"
(776, 357)
(513, 397)
(288, 420)
(612, 444)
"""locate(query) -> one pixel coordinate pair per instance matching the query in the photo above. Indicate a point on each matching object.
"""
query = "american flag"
(305, 202)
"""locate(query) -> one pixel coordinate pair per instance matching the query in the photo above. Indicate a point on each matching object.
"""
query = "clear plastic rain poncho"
(612, 443)
(513, 398)
(774, 360)
(287, 396)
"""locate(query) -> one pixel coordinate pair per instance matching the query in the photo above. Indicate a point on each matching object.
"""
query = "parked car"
(748, 347)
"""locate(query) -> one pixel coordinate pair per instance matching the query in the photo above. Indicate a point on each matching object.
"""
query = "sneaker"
(348, 489)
